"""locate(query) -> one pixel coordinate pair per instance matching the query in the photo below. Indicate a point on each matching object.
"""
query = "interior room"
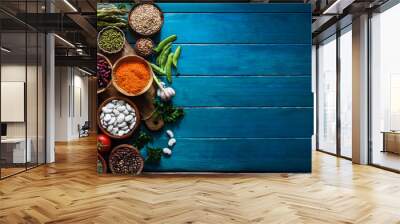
(242, 111)
(22, 99)
(385, 90)
(72, 109)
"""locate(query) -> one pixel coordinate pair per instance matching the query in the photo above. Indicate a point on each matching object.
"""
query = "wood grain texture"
(236, 155)
(245, 123)
(245, 59)
(236, 28)
(70, 191)
(245, 91)
(244, 80)
(234, 7)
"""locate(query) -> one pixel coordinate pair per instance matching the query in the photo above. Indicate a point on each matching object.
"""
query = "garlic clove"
(172, 91)
(162, 95)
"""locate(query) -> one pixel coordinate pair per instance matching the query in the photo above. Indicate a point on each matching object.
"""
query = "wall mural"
(196, 87)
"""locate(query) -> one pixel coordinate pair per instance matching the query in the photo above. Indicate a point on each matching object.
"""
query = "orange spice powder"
(132, 77)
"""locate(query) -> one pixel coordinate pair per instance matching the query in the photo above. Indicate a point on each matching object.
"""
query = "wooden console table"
(391, 141)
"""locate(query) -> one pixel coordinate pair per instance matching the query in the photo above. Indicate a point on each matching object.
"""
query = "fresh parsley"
(153, 155)
(167, 111)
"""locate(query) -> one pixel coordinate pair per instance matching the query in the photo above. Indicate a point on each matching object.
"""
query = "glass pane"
(22, 87)
(31, 99)
(41, 98)
(32, 86)
(327, 96)
(13, 86)
(386, 89)
(346, 94)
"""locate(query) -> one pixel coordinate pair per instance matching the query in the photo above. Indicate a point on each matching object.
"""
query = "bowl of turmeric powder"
(132, 75)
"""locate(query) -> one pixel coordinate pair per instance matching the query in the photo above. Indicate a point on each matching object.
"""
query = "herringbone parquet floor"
(71, 192)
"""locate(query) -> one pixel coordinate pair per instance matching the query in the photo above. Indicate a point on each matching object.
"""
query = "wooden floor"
(5, 172)
(71, 192)
(386, 159)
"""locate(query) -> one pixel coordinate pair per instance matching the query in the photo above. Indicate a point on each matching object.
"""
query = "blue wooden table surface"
(245, 84)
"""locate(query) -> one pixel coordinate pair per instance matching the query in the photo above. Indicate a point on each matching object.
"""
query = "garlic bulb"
(166, 94)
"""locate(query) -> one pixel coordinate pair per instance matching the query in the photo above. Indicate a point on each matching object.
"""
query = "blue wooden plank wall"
(245, 84)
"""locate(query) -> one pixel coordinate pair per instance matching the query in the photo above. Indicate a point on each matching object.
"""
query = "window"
(22, 76)
(346, 92)
(327, 95)
(385, 89)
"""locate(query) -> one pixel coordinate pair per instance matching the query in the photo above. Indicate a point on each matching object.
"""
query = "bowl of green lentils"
(111, 40)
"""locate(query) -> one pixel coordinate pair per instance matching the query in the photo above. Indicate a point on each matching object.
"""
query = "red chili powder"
(132, 77)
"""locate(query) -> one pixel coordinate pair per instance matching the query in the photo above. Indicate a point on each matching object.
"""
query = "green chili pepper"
(167, 40)
(157, 69)
(163, 53)
(166, 47)
(176, 56)
(168, 67)
(164, 57)
(158, 59)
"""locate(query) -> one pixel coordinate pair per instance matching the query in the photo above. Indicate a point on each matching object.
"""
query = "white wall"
(16, 73)
(33, 127)
(81, 110)
(12, 73)
(71, 102)
(61, 104)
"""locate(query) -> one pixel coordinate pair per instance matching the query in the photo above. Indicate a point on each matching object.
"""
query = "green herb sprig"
(167, 111)
(143, 139)
(153, 155)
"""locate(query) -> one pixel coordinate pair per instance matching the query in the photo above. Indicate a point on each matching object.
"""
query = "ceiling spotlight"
(79, 51)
